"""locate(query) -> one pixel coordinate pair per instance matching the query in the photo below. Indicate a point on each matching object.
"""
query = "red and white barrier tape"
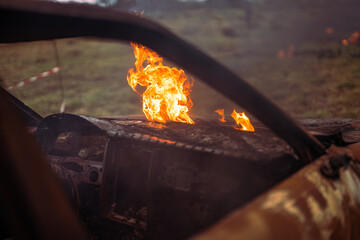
(33, 79)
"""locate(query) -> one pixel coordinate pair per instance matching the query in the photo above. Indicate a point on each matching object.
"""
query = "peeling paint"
(280, 201)
(275, 199)
(320, 207)
(352, 185)
(333, 194)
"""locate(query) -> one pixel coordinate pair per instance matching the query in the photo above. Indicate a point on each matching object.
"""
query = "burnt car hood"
(184, 176)
(207, 134)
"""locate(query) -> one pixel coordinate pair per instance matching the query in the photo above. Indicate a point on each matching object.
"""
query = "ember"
(166, 97)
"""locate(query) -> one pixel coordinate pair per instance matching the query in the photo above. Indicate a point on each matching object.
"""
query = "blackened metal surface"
(177, 178)
(29, 21)
(208, 137)
(174, 179)
(173, 192)
(190, 191)
(52, 126)
(308, 205)
(204, 136)
(124, 194)
(170, 179)
(335, 131)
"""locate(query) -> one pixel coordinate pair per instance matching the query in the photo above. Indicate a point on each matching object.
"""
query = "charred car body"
(170, 181)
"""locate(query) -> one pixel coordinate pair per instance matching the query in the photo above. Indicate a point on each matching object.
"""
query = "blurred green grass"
(310, 84)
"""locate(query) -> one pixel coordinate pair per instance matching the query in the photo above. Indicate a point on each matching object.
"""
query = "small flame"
(291, 50)
(281, 54)
(242, 120)
(353, 39)
(329, 31)
(286, 54)
(167, 94)
(221, 113)
(138, 13)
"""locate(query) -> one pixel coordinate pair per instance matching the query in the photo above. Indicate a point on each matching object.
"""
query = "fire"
(281, 54)
(243, 120)
(353, 39)
(240, 119)
(286, 54)
(221, 113)
(138, 13)
(329, 31)
(167, 94)
(291, 51)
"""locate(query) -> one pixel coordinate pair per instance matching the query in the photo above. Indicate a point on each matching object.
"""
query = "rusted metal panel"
(124, 188)
(173, 192)
(157, 175)
(307, 205)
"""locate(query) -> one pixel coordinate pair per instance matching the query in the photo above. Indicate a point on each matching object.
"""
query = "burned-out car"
(131, 178)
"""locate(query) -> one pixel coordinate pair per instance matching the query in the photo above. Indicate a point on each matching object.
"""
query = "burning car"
(128, 177)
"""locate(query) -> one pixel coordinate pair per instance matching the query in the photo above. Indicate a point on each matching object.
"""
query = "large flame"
(167, 94)
(166, 97)
(242, 120)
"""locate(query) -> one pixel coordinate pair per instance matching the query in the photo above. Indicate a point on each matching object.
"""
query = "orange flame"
(291, 51)
(281, 54)
(138, 13)
(353, 39)
(221, 113)
(242, 120)
(167, 94)
(286, 54)
(329, 31)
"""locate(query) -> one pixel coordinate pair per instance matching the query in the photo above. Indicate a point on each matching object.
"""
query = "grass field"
(321, 79)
